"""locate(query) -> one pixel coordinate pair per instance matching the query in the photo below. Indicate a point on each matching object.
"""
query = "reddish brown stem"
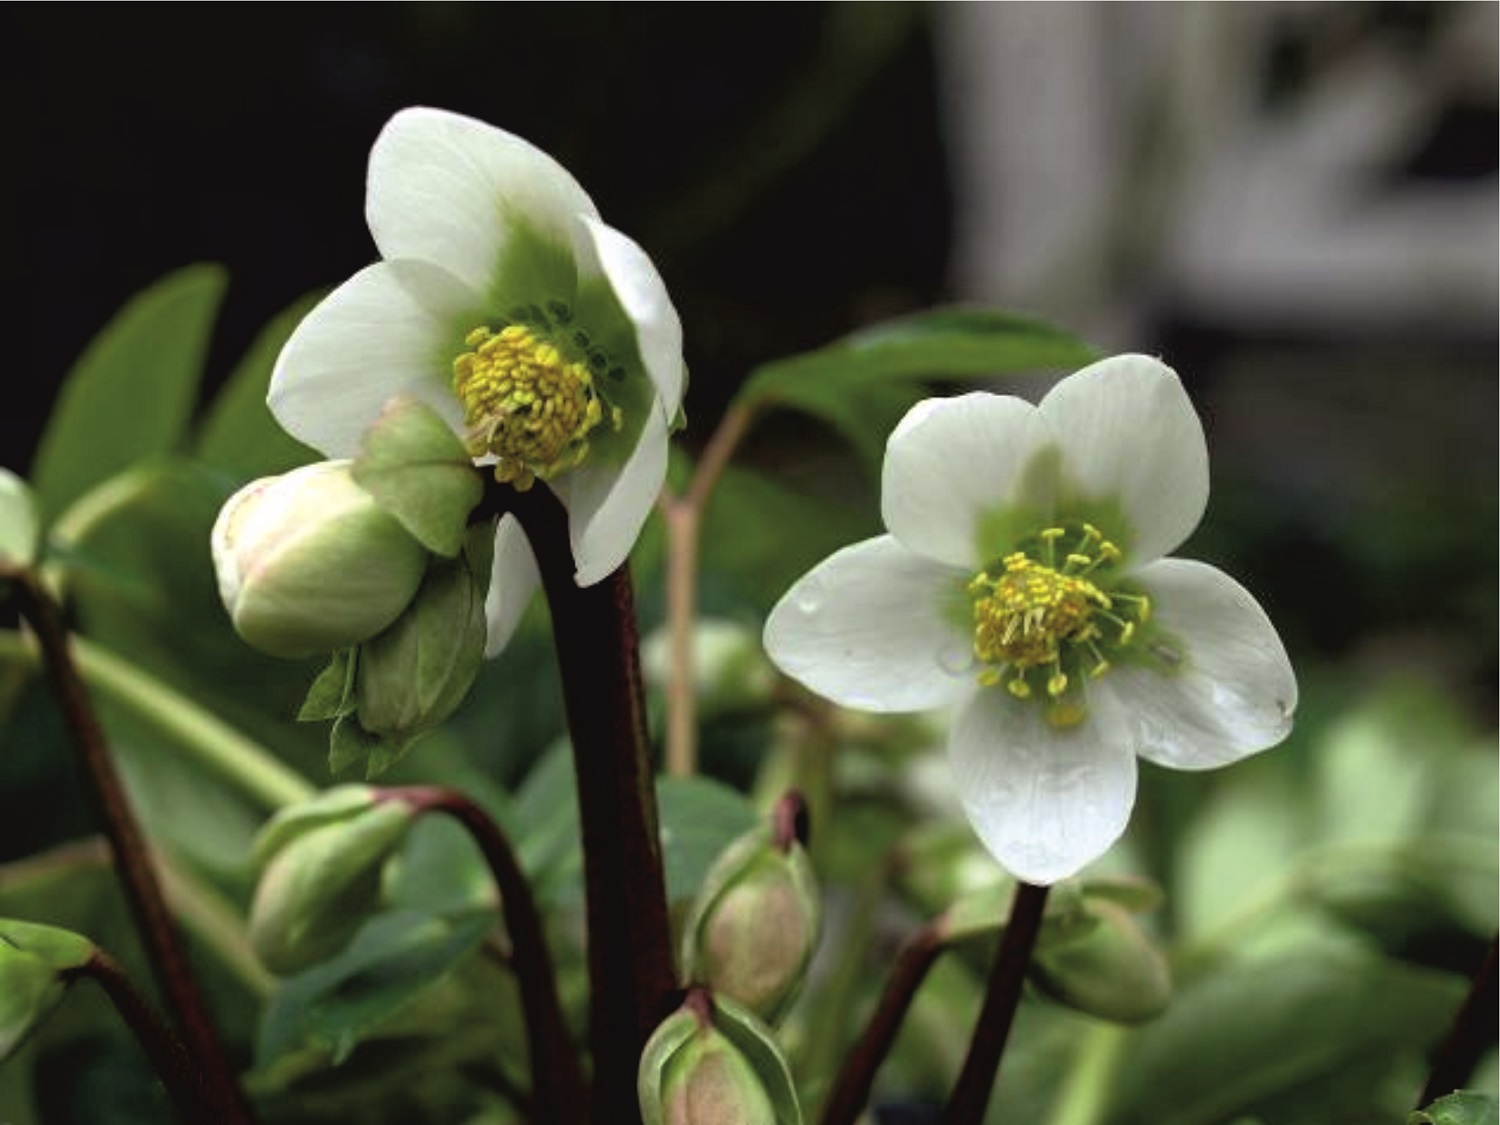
(132, 858)
(976, 1080)
(1473, 1032)
(631, 975)
(558, 1093)
(851, 1090)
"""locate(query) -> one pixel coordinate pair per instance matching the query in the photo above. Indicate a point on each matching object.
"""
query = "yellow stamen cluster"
(1042, 622)
(525, 404)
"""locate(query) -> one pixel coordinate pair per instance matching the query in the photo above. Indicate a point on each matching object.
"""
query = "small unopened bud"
(321, 879)
(755, 923)
(1110, 970)
(18, 522)
(710, 1063)
(308, 562)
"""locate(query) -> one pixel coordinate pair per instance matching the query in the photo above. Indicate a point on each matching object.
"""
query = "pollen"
(526, 404)
(1049, 618)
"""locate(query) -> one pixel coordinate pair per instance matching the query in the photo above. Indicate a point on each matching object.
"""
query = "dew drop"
(957, 658)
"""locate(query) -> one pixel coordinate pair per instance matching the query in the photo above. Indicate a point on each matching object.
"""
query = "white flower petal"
(608, 504)
(954, 461)
(1045, 801)
(392, 328)
(871, 627)
(643, 295)
(449, 189)
(514, 578)
(1232, 692)
(1130, 433)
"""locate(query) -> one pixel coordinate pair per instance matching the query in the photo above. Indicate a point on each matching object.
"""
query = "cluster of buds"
(370, 560)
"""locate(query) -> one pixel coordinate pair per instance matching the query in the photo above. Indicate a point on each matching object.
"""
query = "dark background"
(788, 168)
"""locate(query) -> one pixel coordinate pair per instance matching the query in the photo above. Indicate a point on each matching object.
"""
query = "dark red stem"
(971, 1095)
(631, 975)
(1473, 1032)
(558, 1093)
(132, 858)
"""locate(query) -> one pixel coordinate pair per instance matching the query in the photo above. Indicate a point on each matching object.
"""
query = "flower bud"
(1111, 970)
(755, 923)
(710, 1063)
(321, 874)
(18, 522)
(308, 562)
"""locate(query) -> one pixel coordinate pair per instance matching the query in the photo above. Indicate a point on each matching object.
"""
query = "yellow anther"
(1049, 534)
(1018, 688)
(1079, 560)
(525, 404)
(1057, 683)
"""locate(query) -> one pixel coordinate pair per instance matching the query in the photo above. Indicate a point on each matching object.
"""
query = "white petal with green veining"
(951, 462)
(871, 627)
(1233, 691)
(514, 578)
(1129, 433)
(1045, 801)
(390, 329)
(448, 189)
(608, 504)
(643, 295)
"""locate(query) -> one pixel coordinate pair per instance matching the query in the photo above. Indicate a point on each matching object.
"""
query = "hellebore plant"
(1022, 579)
(542, 335)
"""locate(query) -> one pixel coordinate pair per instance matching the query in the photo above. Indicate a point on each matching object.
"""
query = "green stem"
(132, 859)
(971, 1094)
(558, 1095)
(631, 975)
(211, 742)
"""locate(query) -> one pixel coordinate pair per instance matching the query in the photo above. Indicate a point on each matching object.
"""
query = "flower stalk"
(131, 855)
(971, 1094)
(558, 1093)
(851, 1089)
(683, 515)
(1472, 1033)
(629, 937)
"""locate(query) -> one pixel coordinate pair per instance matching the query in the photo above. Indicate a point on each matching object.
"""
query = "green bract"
(1022, 579)
(542, 336)
(18, 521)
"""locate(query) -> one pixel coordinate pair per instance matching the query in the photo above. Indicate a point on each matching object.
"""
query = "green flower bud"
(33, 960)
(755, 923)
(308, 562)
(710, 1063)
(321, 879)
(1110, 970)
(18, 522)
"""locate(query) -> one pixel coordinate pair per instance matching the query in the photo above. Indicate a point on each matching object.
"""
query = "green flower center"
(526, 404)
(1052, 616)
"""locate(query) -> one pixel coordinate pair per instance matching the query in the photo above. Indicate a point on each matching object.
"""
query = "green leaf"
(419, 472)
(700, 818)
(395, 958)
(861, 383)
(131, 393)
(1303, 1037)
(1465, 1107)
(238, 433)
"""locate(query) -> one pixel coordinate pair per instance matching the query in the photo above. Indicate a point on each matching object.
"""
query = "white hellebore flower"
(1023, 580)
(544, 337)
